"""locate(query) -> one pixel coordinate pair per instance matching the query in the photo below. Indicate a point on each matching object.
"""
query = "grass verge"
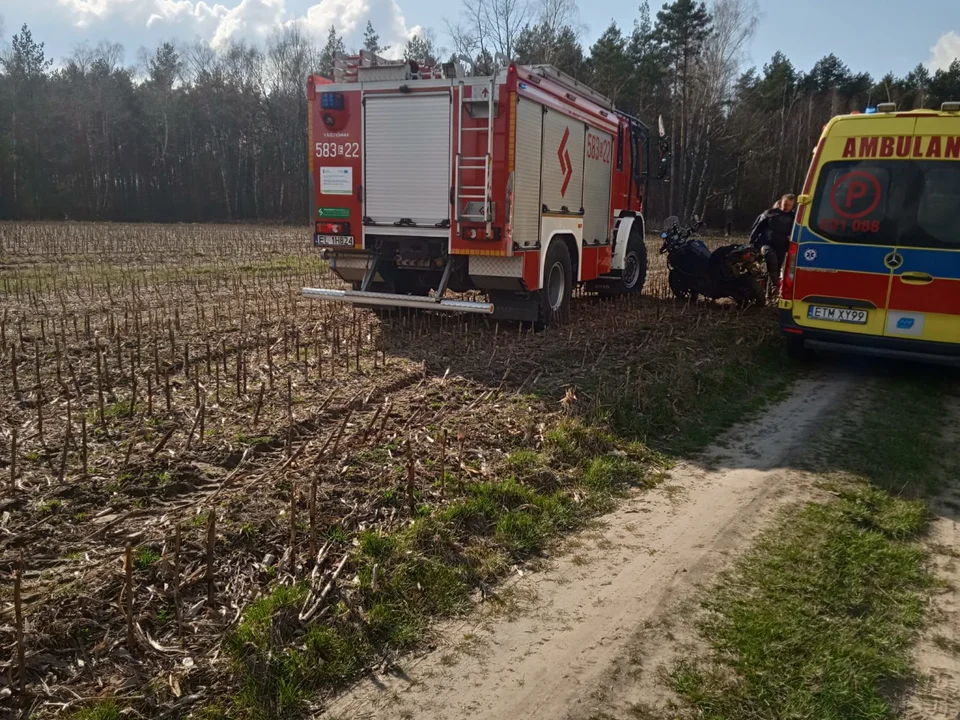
(818, 619)
(681, 413)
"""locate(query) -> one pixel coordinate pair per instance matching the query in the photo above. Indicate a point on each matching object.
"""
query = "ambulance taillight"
(789, 272)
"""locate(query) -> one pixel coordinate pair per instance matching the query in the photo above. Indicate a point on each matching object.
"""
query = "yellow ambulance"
(874, 260)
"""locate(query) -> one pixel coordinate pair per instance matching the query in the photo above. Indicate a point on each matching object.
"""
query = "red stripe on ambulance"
(871, 287)
(940, 296)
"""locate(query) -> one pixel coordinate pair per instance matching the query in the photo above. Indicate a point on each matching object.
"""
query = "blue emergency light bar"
(870, 111)
(331, 101)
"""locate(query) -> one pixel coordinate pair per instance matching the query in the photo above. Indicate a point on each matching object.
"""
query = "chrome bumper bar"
(358, 297)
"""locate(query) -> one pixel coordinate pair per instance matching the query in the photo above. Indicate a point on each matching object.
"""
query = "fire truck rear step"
(358, 297)
(436, 302)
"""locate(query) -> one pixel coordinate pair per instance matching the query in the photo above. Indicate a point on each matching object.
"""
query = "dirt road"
(558, 642)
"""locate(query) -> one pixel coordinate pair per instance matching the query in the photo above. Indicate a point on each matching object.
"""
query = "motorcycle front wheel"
(679, 287)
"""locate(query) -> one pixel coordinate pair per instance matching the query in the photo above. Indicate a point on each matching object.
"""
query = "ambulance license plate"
(832, 314)
(333, 240)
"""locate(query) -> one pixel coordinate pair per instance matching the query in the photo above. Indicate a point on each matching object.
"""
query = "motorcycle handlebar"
(677, 234)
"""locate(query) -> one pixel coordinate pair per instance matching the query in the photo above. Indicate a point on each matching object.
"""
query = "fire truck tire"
(557, 285)
(634, 273)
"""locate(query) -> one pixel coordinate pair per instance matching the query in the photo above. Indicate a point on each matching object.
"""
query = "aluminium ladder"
(466, 194)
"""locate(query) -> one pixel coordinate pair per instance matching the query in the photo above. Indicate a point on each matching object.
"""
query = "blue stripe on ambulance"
(816, 253)
(937, 263)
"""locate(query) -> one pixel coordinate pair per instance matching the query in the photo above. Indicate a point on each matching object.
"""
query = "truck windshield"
(901, 203)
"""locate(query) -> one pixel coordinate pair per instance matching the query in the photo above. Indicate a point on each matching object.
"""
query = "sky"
(868, 35)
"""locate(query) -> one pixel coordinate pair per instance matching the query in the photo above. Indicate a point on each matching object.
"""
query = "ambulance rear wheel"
(557, 285)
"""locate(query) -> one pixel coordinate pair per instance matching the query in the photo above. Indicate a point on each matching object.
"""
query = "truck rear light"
(327, 228)
(789, 272)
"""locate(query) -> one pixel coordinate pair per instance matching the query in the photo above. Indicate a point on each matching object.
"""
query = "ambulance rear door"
(924, 214)
(846, 259)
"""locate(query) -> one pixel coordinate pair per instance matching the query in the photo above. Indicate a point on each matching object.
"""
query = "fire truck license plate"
(832, 314)
(333, 240)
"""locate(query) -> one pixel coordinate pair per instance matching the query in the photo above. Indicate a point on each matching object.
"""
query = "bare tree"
(83, 57)
(556, 14)
(733, 25)
(4, 42)
(465, 36)
(110, 54)
(495, 24)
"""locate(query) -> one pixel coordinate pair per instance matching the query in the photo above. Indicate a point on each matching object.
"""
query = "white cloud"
(946, 50)
(219, 23)
(250, 19)
(350, 18)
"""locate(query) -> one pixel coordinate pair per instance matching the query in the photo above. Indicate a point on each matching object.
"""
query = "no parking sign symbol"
(855, 195)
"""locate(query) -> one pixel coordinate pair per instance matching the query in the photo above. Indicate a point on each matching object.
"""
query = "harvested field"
(188, 441)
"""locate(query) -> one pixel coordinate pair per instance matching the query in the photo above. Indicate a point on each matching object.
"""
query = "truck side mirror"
(663, 166)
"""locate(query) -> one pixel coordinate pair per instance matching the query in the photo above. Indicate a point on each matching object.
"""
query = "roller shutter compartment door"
(597, 169)
(407, 161)
(562, 167)
(526, 180)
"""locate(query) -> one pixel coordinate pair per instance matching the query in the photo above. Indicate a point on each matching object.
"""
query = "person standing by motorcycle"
(772, 230)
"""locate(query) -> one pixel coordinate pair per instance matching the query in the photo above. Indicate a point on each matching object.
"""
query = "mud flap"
(515, 306)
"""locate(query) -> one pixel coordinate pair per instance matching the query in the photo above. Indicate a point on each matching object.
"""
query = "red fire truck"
(519, 185)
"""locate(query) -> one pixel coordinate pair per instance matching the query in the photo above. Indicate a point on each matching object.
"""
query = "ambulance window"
(851, 201)
(937, 213)
(903, 203)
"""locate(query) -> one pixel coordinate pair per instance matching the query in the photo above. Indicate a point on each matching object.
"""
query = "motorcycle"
(732, 271)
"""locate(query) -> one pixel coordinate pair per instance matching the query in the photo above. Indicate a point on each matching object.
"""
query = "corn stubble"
(165, 392)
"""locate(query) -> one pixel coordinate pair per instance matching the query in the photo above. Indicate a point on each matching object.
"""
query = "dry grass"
(156, 377)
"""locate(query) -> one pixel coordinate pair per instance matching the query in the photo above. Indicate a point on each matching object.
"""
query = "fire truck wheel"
(634, 273)
(557, 285)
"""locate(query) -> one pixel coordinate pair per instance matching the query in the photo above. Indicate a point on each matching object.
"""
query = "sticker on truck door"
(336, 181)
